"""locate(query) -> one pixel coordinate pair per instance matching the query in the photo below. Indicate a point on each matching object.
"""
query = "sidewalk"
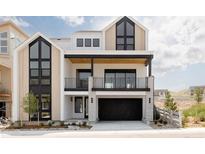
(154, 133)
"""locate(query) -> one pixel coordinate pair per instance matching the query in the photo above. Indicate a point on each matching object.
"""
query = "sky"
(178, 43)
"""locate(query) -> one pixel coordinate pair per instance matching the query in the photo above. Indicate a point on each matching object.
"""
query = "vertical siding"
(55, 84)
(110, 38)
(23, 79)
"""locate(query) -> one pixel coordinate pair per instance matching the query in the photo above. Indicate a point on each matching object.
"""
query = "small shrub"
(169, 103)
(50, 122)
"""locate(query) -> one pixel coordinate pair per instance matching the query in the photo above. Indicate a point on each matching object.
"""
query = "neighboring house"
(193, 88)
(94, 75)
(160, 92)
(10, 37)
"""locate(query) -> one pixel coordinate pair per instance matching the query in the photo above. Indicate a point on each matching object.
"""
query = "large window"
(40, 76)
(82, 78)
(119, 79)
(125, 34)
(78, 105)
(3, 42)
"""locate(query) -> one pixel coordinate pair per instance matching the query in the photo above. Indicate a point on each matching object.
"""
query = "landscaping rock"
(73, 127)
(57, 123)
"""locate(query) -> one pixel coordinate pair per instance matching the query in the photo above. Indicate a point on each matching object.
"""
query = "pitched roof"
(131, 18)
(32, 38)
(9, 22)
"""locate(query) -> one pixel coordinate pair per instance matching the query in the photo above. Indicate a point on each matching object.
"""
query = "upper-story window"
(96, 42)
(87, 42)
(3, 42)
(125, 34)
(79, 42)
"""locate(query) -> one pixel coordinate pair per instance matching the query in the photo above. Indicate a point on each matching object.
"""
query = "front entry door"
(86, 107)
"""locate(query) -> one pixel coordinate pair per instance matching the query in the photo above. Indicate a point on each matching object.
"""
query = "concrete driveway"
(119, 125)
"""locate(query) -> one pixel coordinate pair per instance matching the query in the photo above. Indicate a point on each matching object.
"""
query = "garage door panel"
(120, 109)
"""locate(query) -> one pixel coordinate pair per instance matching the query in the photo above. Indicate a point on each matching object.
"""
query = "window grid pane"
(80, 42)
(87, 42)
(96, 42)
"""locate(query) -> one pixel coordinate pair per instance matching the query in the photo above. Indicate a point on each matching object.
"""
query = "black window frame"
(125, 45)
(75, 105)
(78, 80)
(125, 71)
(40, 89)
(90, 43)
(77, 43)
(98, 43)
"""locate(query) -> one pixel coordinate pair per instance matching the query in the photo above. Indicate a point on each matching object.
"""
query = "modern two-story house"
(93, 75)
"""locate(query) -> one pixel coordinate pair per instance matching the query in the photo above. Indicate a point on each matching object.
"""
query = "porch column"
(150, 67)
(92, 67)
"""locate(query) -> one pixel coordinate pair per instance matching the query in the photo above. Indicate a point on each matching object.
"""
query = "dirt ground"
(183, 102)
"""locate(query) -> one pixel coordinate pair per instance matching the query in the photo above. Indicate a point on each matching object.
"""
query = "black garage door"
(120, 109)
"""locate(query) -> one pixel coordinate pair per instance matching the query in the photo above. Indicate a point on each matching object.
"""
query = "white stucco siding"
(141, 70)
(99, 68)
(68, 108)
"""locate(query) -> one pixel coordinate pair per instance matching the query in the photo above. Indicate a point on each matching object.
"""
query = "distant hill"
(184, 92)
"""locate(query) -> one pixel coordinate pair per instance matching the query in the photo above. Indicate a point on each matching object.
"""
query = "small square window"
(120, 47)
(79, 42)
(3, 35)
(45, 81)
(34, 81)
(45, 64)
(45, 72)
(96, 42)
(3, 49)
(34, 73)
(87, 42)
(34, 64)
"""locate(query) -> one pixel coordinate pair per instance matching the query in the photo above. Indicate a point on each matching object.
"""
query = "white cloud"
(73, 20)
(98, 23)
(17, 20)
(175, 41)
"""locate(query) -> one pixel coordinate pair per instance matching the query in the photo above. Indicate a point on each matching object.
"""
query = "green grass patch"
(196, 111)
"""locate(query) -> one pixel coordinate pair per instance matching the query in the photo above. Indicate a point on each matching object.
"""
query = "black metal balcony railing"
(75, 83)
(107, 84)
(120, 83)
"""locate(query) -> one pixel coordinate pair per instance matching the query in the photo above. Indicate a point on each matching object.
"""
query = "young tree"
(169, 102)
(30, 104)
(198, 95)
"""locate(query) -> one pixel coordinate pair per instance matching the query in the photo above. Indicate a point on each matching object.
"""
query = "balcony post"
(92, 67)
(150, 67)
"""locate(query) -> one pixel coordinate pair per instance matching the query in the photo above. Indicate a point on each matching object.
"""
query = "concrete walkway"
(154, 133)
(119, 125)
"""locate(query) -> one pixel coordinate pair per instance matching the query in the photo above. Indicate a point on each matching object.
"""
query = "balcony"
(108, 84)
(75, 84)
(120, 84)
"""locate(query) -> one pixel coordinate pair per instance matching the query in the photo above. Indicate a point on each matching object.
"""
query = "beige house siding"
(110, 38)
(23, 80)
(139, 38)
(5, 81)
(55, 84)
